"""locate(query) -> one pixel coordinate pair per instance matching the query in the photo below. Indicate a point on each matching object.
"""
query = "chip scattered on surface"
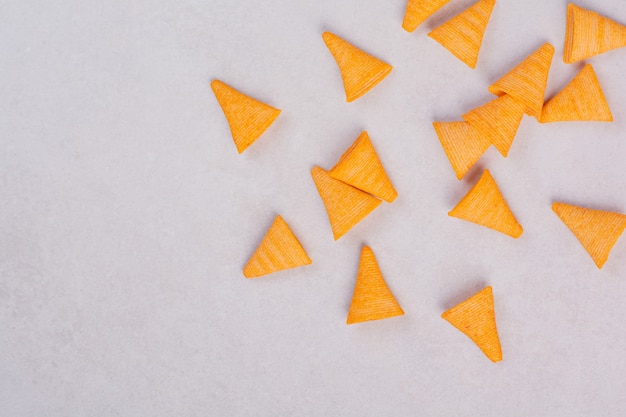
(581, 100)
(279, 250)
(463, 34)
(588, 34)
(417, 11)
(527, 82)
(360, 71)
(345, 205)
(372, 299)
(247, 117)
(476, 318)
(360, 167)
(463, 144)
(596, 230)
(498, 120)
(485, 205)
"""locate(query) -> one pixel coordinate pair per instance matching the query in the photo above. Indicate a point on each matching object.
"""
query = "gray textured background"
(127, 216)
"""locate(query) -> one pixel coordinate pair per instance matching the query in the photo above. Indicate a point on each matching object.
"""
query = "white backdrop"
(127, 216)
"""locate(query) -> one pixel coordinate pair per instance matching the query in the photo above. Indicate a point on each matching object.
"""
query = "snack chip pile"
(358, 183)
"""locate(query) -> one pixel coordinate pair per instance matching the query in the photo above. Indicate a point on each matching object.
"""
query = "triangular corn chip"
(247, 117)
(278, 250)
(581, 100)
(476, 318)
(360, 71)
(588, 34)
(527, 81)
(345, 205)
(360, 167)
(596, 230)
(463, 144)
(419, 10)
(484, 205)
(372, 299)
(498, 120)
(463, 34)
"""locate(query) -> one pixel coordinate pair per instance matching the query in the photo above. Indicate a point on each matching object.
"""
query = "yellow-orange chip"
(581, 100)
(476, 318)
(463, 34)
(361, 168)
(419, 10)
(527, 81)
(360, 71)
(463, 144)
(247, 117)
(372, 299)
(588, 34)
(596, 230)
(485, 205)
(278, 250)
(345, 205)
(498, 120)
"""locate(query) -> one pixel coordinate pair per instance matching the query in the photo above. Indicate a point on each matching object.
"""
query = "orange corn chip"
(247, 117)
(372, 299)
(359, 70)
(527, 81)
(463, 144)
(278, 250)
(360, 167)
(588, 34)
(484, 205)
(581, 100)
(476, 318)
(498, 120)
(463, 34)
(596, 230)
(419, 10)
(345, 205)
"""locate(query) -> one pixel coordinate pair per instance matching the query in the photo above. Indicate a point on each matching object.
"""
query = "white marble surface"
(127, 216)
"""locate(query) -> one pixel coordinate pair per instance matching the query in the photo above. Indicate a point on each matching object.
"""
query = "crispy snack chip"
(345, 205)
(498, 120)
(581, 100)
(463, 34)
(278, 250)
(463, 144)
(247, 117)
(360, 71)
(360, 167)
(527, 81)
(417, 11)
(372, 299)
(588, 34)
(484, 205)
(596, 230)
(476, 318)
